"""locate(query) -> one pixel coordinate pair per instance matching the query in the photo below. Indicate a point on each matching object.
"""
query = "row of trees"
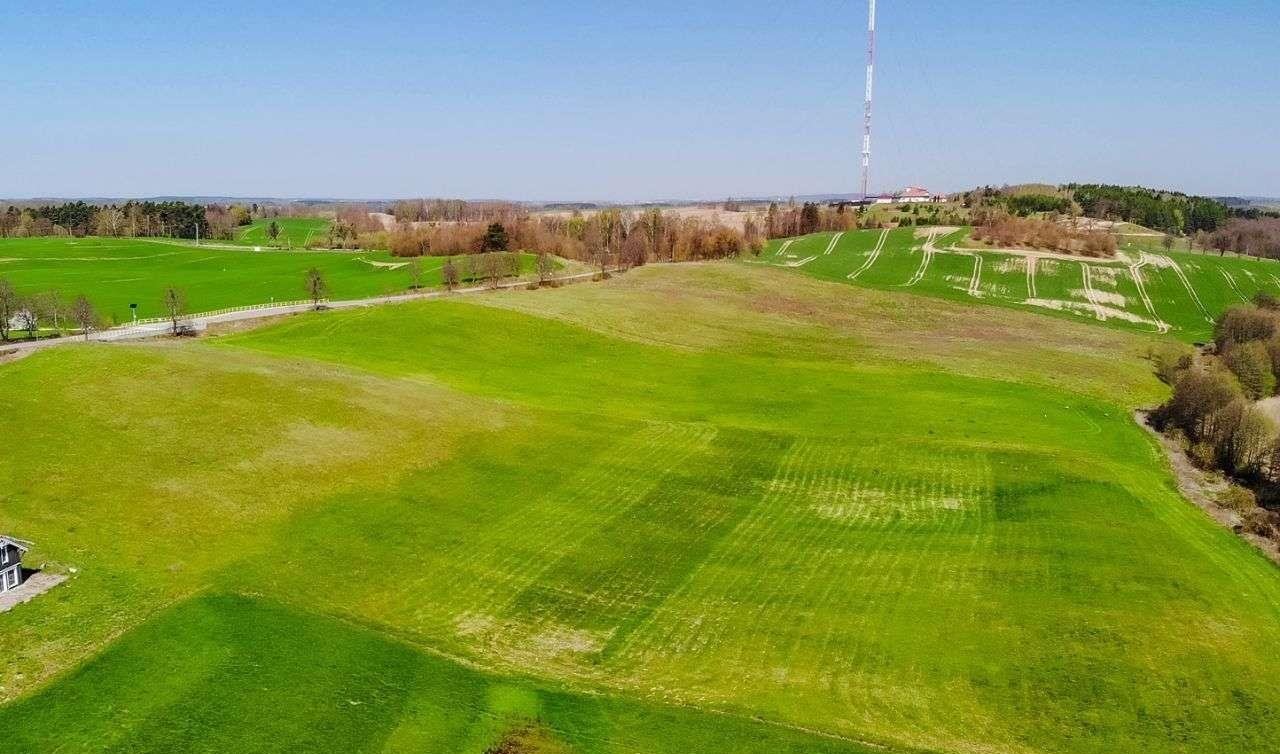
(997, 227)
(1257, 237)
(608, 236)
(1166, 211)
(41, 311)
(152, 219)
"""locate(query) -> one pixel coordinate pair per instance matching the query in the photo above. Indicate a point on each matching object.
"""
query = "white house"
(11, 552)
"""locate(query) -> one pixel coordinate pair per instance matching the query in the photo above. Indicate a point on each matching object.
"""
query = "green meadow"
(695, 508)
(294, 232)
(1145, 289)
(114, 273)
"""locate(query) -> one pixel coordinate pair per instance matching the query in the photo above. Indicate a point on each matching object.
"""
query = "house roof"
(915, 191)
(21, 544)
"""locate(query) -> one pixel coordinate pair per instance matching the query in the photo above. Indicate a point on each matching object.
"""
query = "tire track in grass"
(1231, 281)
(782, 250)
(929, 250)
(1166, 261)
(875, 254)
(832, 246)
(1090, 293)
(1135, 272)
(1031, 277)
(975, 282)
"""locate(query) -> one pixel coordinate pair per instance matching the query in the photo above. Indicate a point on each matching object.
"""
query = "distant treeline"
(156, 219)
(609, 237)
(1165, 211)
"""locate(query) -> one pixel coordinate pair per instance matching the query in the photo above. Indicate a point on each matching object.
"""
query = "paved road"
(201, 322)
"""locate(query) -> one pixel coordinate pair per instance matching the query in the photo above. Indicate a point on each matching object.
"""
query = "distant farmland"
(295, 232)
(114, 273)
(1144, 289)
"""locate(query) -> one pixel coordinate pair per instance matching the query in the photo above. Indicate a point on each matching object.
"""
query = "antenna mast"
(871, 75)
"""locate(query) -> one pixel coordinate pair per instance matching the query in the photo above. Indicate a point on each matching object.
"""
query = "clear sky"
(589, 100)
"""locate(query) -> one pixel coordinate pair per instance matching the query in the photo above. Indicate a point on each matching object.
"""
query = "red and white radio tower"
(871, 76)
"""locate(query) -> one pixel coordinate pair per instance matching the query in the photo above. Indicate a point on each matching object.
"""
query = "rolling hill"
(695, 508)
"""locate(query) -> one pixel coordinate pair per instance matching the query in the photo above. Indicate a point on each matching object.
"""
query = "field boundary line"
(1135, 272)
(875, 254)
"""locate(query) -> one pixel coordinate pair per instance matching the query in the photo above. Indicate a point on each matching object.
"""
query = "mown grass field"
(697, 508)
(295, 232)
(115, 273)
(1144, 289)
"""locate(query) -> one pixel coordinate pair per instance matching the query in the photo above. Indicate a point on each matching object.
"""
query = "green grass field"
(696, 508)
(115, 273)
(295, 232)
(1144, 289)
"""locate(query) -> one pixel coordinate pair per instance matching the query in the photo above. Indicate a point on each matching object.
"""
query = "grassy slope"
(879, 516)
(1218, 282)
(114, 273)
(295, 232)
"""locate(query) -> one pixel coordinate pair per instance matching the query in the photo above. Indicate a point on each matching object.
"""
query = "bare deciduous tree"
(175, 305)
(29, 318)
(85, 316)
(415, 274)
(8, 307)
(449, 274)
(317, 288)
(546, 267)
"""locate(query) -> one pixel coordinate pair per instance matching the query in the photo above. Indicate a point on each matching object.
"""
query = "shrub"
(1171, 360)
(1238, 499)
(1243, 324)
(1198, 395)
(1251, 363)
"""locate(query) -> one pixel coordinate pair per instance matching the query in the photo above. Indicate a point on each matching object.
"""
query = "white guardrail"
(220, 312)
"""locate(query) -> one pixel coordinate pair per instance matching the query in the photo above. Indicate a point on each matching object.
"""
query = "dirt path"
(1204, 490)
(35, 585)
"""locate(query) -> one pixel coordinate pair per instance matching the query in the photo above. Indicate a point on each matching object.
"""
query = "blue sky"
(588, 100)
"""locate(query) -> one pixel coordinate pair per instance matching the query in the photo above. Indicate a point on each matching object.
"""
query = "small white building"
(11, 552)
(909, 195)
